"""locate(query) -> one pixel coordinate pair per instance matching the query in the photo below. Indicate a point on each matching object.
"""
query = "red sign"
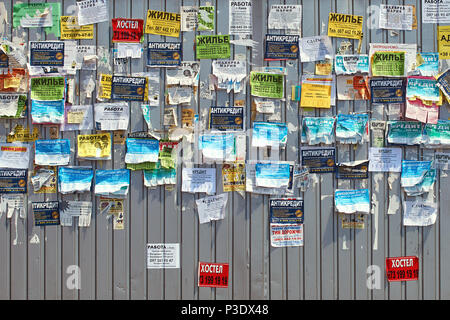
(213, 275)
(127, 30)
(402, 268)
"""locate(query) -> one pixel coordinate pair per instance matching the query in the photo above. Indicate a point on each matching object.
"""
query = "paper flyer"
(250, 178)
(111, 116)
(269, 134)
(14, 155)
(345, 26)
(13, 180)
(71, 30)
(44, 179)
(404, 132)
(127, 30)
(352, 170)
(70, 209)
(159, 177)
(92, 11)
(240, 18)
(281, 47)
(129, 88)
(47, 88)
(430, 64)
(218, 147)
(352, 201)
(286, 210)
(78, 117)
(45, 213)
(163, 23)
(388, 64)
(272, 175)
(74, 179)
(212, 46)
(284, 16)
(211, 208)
(205, 18)
(52, 152)
(436, 11)
(233, 177)
(316, 130)
(396, 17)
(442, 160)
(316, 48)
(45, 112)
(47, 53)
(164, 54)
(351, 64)
(230, 74)
(436, 135)
(318, 159)
(385, 159)
(413, 172)
(286, 235)
(163, 255)
(13, 105)
(142, 150)
(112, 182)
(37, 15)
(387, 90)
(188, 18)
(199, 180)
(419, 213)
(424, 186)
(226, 118)
(267, 85)
(353, 87)
(352, 128)
(94, 146)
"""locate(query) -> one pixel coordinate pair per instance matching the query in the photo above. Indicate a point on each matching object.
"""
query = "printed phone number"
(402, 274)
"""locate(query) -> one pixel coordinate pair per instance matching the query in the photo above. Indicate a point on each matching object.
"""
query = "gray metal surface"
(333, 262)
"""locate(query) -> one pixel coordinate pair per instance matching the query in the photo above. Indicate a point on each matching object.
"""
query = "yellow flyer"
(70, 30)
(315, 96)
(444, 42)
(233, 177)
(345, 26)
(105, 86)
(163, 23)
(94, 146)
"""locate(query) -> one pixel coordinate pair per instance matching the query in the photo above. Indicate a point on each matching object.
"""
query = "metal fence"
(333, 263)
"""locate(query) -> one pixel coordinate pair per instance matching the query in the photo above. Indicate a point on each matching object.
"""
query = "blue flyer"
(319, 159)
(387, 90)
(47, 111)
(404, 132)
(128, 88)
(424, 186)
(424, 88)
(112, 182)
(47, 53)
(164, 54)
(272, 175)
(352, 201)
(281, 47)
(158, 177)
(286, 210)
(13, 180)
(74, 179)
(430, 65)
(352, 128)
(218, 146)
(226, 118)
(436, 135)
(269, 134)
(46, 213)
(413, 172)
(142, 150)
(52, 152)
(351, 63)
(316, 130)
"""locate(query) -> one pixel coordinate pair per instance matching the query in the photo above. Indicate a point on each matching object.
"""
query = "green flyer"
(38, 15)
(205, 18)
(386, 63)
(213, 47)
(267, 85)
(47, 88)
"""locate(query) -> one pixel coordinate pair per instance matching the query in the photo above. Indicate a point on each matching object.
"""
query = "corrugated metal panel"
(331, 265)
